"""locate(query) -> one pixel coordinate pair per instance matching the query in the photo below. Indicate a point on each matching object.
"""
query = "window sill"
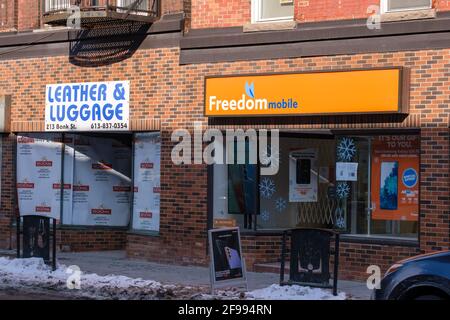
(272, 232)
(78, 227)
(353, 238)
(408, 15)
(348, 238)
(143, 233)
(269, 26)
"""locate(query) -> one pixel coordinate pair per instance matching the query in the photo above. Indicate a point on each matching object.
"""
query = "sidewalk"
(115, 262)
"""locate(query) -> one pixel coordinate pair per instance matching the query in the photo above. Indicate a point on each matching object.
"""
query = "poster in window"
(102, 182)
(241, 183)
(147, 159)
(39, 175)
(395, 178)
(303, 175)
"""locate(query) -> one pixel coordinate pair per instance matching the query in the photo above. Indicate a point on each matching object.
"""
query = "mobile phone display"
(389, 185)
(303, 175)
(234, 260)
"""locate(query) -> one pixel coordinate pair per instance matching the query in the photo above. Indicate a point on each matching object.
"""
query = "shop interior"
(362, 185)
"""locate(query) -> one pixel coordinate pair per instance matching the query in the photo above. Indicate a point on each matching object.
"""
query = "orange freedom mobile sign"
(395, 177)
(338, 92)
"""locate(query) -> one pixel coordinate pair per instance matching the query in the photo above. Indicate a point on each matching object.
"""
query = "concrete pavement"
(115, 262)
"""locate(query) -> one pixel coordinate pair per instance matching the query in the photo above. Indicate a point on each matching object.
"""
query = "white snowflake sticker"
(265, 215)
(339, 218)
(267, 188)
(346, 149)
(340, 223)
(342, 190)
(280, 204)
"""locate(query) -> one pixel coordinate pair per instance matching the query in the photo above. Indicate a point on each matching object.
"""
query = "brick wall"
(91, 239)
(172, 6)
(7, 15)
(7, 208)
(222, 13)
(27, 15)
(313, 10)
(435, 181)
(162, 89)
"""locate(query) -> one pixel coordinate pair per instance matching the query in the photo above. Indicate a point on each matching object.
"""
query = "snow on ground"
(33, 273)
(294, 292)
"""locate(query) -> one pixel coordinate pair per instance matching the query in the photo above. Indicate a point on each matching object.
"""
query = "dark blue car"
(424, 277)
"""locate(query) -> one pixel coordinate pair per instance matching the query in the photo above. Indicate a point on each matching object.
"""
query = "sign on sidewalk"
(227, 265)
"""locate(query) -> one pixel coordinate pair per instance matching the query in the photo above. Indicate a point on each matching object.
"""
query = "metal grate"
(320, 212)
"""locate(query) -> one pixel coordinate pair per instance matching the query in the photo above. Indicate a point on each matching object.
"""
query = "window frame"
(385, 7)
(257, 14)
(352, 237)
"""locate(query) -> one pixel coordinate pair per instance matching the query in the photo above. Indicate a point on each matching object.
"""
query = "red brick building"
(166, 62)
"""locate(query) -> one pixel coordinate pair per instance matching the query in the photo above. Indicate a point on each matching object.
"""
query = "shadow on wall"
(106, 44)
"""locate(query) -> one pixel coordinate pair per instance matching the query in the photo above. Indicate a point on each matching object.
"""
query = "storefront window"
(101, 180)
(96, 175)
(147, 190)
(235, 197)
(361, 185)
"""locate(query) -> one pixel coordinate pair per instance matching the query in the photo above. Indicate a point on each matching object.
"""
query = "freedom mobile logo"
(25, 184)
(249, 102)
(57, 186)
(122, 187)
(44, 163)
(147, 164)
(43, 208)
(80, 187)
(101, 210)
(146, 214)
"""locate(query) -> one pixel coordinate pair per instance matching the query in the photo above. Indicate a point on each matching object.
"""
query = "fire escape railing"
(148, 8)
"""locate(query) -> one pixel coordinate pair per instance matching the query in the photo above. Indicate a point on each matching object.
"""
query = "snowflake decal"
(340, 221)
(271, 157)
(346, 149)
(342, 190)
(280, 204)
(265, 215)
(267, 188)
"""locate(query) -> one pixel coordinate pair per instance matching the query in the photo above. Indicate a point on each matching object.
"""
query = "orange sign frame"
(311, 93)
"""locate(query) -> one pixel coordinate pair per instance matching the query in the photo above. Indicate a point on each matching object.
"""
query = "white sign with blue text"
(90, 106)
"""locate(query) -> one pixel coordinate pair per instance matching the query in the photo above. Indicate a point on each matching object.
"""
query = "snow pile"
(294, 292)
(33, 273)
